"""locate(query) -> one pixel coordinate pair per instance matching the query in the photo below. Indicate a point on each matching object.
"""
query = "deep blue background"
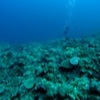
(43, 20)
(86, 18)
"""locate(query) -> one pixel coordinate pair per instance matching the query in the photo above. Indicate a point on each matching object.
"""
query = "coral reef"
(64, 69)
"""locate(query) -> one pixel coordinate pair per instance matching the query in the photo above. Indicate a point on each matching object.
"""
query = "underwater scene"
(49, 49)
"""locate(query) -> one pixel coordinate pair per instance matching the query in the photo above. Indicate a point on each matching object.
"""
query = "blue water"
(44, 20)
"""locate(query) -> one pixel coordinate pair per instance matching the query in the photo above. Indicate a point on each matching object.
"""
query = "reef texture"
(65, 69)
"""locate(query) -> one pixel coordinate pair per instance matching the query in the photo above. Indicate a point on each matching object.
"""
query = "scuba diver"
(66, 30)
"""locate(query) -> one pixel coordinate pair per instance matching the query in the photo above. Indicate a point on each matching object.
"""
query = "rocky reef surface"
(65, 69)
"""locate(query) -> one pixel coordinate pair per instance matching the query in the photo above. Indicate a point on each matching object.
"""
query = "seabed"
(64, 69)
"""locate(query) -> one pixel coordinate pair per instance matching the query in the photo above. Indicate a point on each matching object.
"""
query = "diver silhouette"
(66, 31)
